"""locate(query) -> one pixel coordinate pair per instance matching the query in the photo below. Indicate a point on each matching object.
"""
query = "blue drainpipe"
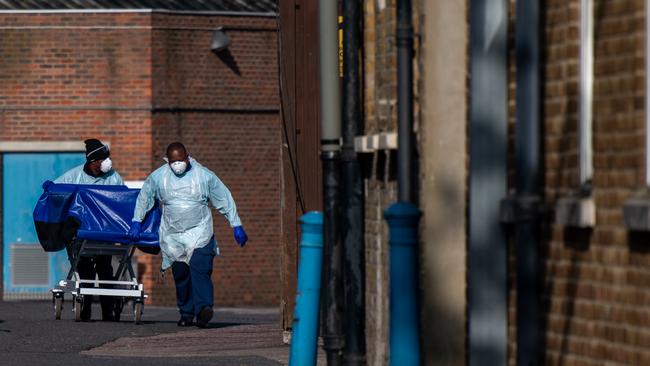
(403, 219)
(305, 320)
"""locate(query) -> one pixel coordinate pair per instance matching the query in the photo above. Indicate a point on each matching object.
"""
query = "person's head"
(177, 158)
(98, 157)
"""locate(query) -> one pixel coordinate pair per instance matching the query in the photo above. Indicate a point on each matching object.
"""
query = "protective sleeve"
(117, 178)
(222, 200)
(69, 177)
(146, 199)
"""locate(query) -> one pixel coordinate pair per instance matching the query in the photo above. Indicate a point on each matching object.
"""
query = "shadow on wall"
(638, 242)
(578, 240)
(227, 58)
(442, 307)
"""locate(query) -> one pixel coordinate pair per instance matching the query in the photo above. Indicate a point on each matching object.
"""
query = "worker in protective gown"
(183, 188)
(98, 169)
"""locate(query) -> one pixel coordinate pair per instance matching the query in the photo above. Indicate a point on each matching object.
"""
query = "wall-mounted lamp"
(220, 40)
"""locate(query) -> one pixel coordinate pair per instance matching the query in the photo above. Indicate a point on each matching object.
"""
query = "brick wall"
(594, 282)
(76, 76)
(380, 115)
(143, 80)
(380, 83)
(188, 74)
(369, 67)
(385, 70)
(379, 195)
(75, 59)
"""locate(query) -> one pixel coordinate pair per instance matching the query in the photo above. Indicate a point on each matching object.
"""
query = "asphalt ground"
(29, 335)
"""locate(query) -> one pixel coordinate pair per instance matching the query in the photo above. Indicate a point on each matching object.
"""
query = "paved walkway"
(30, 335)
(262, 340)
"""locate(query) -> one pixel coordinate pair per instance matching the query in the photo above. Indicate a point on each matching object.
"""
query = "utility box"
(576, 211)
(636, 211)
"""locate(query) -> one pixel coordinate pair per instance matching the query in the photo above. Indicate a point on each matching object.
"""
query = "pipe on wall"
(331, 158)
(352, 199)
(487, 254)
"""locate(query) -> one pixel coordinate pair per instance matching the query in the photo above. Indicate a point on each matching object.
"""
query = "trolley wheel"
(137, 312)
(58, 307)
(77, 308)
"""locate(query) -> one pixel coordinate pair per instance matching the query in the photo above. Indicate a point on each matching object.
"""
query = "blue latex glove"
(240, 235)
(134, 232)
(47, 184)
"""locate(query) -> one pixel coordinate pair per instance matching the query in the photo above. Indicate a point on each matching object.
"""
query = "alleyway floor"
(29, 335)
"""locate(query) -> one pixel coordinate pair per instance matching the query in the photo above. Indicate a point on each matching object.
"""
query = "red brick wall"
(594, 282)
(188, 74)
(76, 76)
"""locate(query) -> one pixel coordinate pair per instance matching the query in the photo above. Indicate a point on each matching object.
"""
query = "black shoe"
(204, 317)
(185, 322)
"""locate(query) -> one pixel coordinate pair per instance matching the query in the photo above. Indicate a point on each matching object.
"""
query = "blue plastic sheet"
(96, 212)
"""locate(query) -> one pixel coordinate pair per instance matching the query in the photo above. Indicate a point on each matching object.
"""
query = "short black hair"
(176, 146)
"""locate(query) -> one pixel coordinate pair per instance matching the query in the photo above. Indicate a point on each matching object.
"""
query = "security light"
(220, 40)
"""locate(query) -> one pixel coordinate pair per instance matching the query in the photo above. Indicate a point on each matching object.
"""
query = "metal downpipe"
(331, 155)
(487, 255)
(352, 198)
(403, 217)
(528, 182)
(405, 152)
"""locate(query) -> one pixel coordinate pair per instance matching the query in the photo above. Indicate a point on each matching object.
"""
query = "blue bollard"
(305, 319)
(403, 218)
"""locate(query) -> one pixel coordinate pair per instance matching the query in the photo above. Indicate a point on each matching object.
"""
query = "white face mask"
(106, 166)
(178, 167)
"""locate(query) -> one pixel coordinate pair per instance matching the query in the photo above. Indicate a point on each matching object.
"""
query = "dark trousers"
(101, 266)
(194, 281)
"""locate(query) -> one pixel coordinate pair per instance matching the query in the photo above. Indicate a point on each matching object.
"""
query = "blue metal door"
(28, 271)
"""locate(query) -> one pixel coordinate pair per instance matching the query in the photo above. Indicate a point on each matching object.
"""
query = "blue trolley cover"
(94, 212)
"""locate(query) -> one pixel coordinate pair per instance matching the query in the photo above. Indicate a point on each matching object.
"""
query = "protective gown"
(77, 175)
(186, 222)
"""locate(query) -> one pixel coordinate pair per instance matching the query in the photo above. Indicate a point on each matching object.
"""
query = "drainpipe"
(352, 226)
(405, 153)
(487, 256)
(636, 210)
(586, 91)
(528, 183)
(578, 209)
(403, 217)
(330, 155)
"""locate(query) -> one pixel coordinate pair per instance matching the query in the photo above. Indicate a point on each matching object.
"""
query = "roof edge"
(153, 11)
